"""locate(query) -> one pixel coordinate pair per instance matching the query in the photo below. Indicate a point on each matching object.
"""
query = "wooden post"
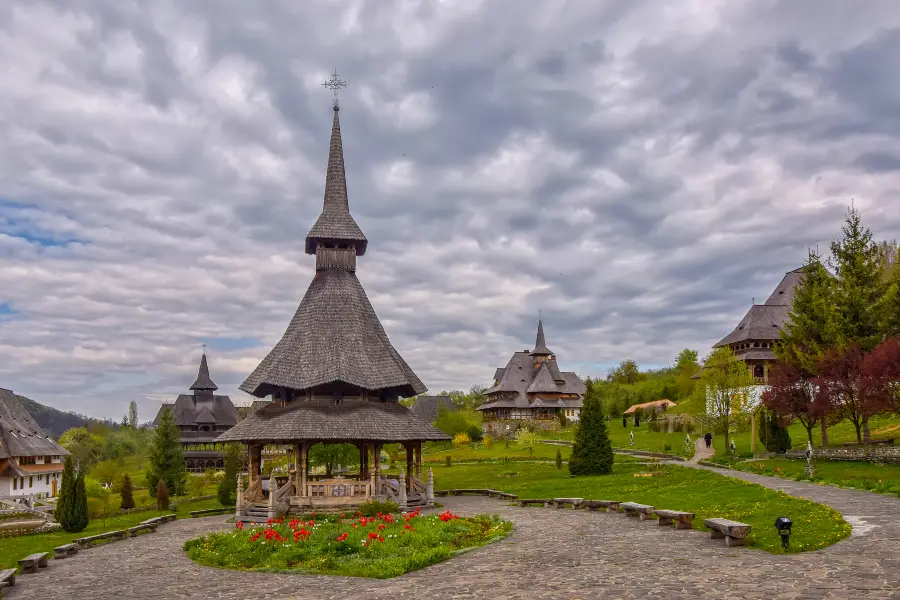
(239, 503)
(376, 468)
(273, 489)
(418, 454)
(299, 488)
(363, 461)
(255, 466)
(402, 485)
(303, 465)
(410, 461)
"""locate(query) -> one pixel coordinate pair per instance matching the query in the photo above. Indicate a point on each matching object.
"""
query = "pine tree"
(812, 326)
(66, 490)
(167, 458)
(127, 493)
(227, 490)
(592, 453)
(78, 512)
(162, 495)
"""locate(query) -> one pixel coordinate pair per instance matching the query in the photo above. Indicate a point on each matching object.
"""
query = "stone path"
(553, 555)
(701, 452)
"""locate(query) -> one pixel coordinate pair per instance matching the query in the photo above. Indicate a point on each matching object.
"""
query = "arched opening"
(759, 371)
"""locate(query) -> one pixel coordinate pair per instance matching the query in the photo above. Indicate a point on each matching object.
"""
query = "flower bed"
(380, 547)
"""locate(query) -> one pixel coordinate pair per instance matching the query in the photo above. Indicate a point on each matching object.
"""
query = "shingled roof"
(540, 346)
(203, 381)
(336, 224)
(202, 406)
(428, 407)
(335, 335)
(326, 421)
(20, 435)
(764, 322)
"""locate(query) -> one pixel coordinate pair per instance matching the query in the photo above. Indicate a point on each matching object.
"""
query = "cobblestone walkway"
(553, 555)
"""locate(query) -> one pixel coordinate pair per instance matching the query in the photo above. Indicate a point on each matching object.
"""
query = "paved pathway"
(553, 555)
(701, 452)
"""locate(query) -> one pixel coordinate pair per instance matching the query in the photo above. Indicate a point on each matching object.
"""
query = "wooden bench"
(607, 505)
(7, 578)
(506, 496)
(32, 562)
(633, 509)
(473, 492)
(531, 501)
(137, 529)
(65, 551)
(441, 493)
(87, 542)
(209, 512)
(561, 502)
(733, 532)
(682, 520)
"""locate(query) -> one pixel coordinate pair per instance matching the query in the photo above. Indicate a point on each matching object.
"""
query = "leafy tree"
(686, 366)
(881, 375)
(166, 457)
(330, 456)
(527, 439)
(227, 490)
(65, 497)
(132, 415)
(592, 452)
(196, 485)
(78, 510)
(162, 495)
(127, 493)
(563, 421)
(792, 395)
(86, 447)
(840, 382)
(722, 396)
(626, 372)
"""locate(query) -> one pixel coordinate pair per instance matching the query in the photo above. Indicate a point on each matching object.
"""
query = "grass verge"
(704, 493)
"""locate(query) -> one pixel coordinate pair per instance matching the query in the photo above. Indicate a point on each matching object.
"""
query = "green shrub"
(373, 508)
(127, 495)
(592, 453)
(79, 510)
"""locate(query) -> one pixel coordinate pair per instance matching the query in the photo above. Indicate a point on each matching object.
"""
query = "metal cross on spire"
(204, 348)
(335, 84)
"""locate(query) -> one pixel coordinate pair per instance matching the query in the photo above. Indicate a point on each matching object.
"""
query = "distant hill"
(52, 420)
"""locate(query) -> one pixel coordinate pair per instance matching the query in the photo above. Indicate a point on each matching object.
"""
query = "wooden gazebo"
(334, 377)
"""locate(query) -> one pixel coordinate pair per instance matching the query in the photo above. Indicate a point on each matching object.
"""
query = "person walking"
(708, 438)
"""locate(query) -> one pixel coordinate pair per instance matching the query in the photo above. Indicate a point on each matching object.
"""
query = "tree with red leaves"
(881, 375)
(792, 395)
(841, 383)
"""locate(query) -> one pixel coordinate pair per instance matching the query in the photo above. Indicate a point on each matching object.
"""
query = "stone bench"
(504, 495)
(65, 551)
(682, 520)
(7, 578)
(561, 502)
(160, 519)
(474, 492)
(137, 529)
(608, 505)
(441, 493)
(733, 532)
(531, 501)
(633, 509)
(209, 512)
(32, 562)
(87, 542)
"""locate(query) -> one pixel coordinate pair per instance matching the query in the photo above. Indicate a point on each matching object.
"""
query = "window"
(31, 481)
(15, 483)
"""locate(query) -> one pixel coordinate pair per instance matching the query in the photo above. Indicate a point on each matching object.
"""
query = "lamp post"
(783, 525)
(810, 471)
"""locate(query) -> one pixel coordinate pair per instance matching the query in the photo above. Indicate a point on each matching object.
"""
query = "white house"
(31, 463)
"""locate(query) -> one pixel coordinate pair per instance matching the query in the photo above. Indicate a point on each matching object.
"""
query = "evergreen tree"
(891, 303)
(858, 266)
(78, 510)
(592, 453)
(771, 433)
(227, 490)
(162, 495)
(127, 493)
(66, 489)
(166, 457)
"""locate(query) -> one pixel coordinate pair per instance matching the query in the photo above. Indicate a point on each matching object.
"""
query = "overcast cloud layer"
(637, 170)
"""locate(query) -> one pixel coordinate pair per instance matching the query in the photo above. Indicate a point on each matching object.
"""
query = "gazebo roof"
(325, 421)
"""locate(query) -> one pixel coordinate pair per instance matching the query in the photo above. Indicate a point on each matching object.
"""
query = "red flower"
(380, 539)
(372, 535)
(341, 537)
(239, 525)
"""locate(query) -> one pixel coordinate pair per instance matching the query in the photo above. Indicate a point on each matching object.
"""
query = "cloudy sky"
(637, 170)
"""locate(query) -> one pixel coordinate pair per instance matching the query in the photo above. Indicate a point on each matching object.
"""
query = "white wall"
(33, 484)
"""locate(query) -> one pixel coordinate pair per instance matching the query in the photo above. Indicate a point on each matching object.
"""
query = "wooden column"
(299, 488)
(363, 459)
(304, 467)
(376, 467)
(410, 461)
(418, 448)
(255, 466)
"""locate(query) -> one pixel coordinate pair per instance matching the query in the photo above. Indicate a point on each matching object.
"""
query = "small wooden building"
(532, 387)
(201, 417)
(334, 377)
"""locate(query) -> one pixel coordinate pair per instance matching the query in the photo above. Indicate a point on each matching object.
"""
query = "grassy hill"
(52, 420)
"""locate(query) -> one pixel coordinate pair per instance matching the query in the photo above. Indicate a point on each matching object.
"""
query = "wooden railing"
(336, 491)
(254, 493)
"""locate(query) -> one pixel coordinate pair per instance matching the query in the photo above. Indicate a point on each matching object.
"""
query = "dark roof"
(765, 321)
(756, 354)
(540, 346)
(336, 225)
(498, 374)
(349, 420)
(334, 336)
(520, 378)
(203, 381)
(191, 409)
(427, 407)
(20, 435)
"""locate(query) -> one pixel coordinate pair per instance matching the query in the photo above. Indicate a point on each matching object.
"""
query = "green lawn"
(12, 549)
(678, 488)
(883, 479)
(499, 450)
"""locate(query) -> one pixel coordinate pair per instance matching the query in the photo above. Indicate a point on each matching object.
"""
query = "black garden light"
(783, 525)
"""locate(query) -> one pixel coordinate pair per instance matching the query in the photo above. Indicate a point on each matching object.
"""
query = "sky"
(637, 171)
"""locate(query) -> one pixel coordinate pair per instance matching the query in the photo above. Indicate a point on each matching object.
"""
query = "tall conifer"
(166, 457)
(64, 498)
(592, 453)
